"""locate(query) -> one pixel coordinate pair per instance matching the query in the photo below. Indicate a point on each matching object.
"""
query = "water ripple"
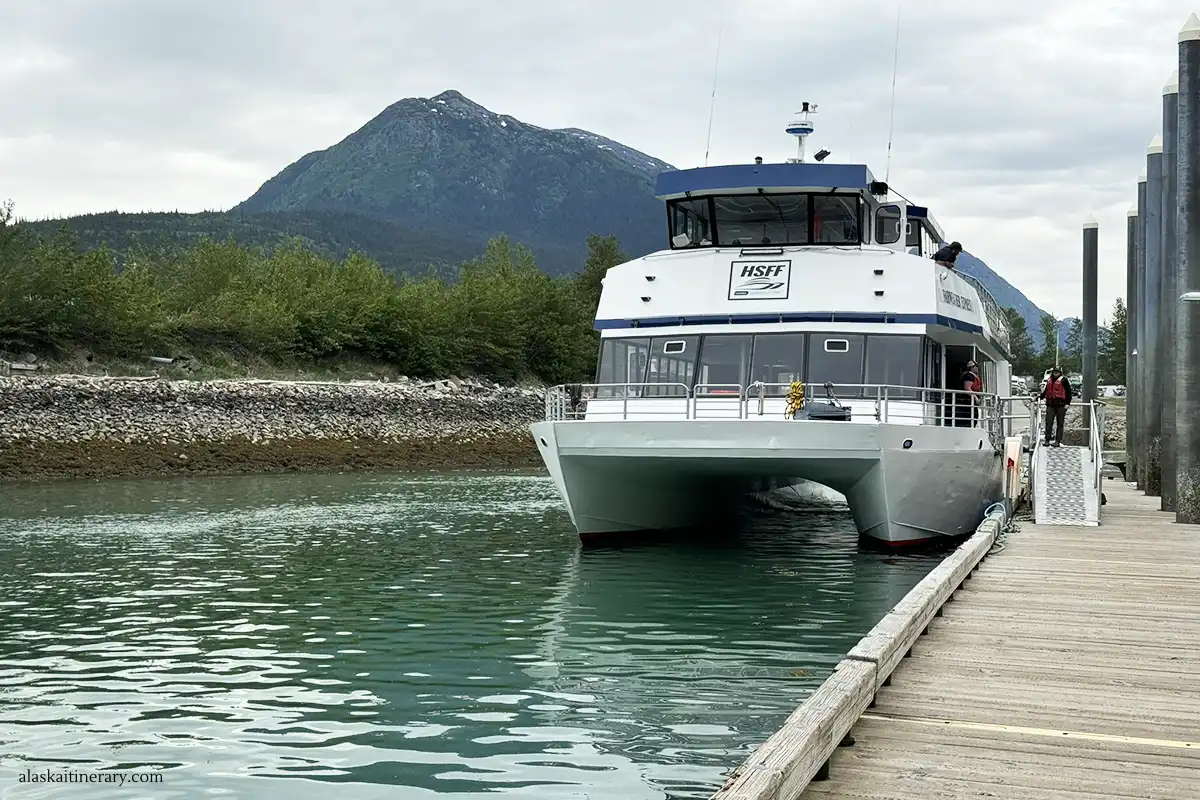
(268, 636)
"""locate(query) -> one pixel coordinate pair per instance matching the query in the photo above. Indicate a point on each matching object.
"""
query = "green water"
(341, 636)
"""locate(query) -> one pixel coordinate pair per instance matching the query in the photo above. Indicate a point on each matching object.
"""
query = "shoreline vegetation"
(228, 310)
(80, 326)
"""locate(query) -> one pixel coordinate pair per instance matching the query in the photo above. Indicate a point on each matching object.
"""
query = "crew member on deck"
(947, 254)
(965, 403)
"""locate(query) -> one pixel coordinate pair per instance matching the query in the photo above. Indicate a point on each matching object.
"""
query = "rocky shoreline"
(63, 427)
(80, 427)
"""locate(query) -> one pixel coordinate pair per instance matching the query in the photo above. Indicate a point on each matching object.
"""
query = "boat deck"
(1066, 669)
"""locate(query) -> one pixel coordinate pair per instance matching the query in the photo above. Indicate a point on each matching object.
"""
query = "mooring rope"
(795, 399)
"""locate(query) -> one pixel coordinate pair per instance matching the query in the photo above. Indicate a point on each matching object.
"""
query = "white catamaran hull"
(903, 483)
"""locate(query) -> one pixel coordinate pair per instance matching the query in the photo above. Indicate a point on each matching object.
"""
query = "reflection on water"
(269, 636)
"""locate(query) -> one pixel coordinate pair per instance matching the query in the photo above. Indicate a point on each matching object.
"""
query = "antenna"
(712, 107)
(887, 172)
(801, 127)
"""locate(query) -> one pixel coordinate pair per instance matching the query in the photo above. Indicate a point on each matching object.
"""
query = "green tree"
(1111, 351)
(499, 316)
(603, 253)
(1049, 326)
(1020, 343)
(1072, 356)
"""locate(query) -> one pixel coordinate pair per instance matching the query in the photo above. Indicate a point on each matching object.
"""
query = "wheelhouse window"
(672, 361)
(755, 220)
(691, 223)
(622, 361)
(887, 225)
(724, 359)
(895, 361)
(777, 360)
(765, 219)
(836, 358)
(836, 219)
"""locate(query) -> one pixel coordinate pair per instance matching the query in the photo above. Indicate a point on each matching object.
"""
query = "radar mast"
(800, 127)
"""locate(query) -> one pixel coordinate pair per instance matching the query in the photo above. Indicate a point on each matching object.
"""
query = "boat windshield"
(748, 220)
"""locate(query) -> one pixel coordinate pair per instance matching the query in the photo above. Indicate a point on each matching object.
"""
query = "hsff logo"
(759, 280)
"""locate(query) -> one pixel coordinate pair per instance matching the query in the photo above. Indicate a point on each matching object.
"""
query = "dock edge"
(783, 766)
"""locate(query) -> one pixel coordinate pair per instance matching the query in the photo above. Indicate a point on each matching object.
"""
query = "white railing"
(885, 403)
(1096, 445)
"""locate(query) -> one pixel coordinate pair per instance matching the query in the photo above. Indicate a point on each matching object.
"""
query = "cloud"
(1012, 121)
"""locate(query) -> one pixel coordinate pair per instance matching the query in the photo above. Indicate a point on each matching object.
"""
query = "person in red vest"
(1057, 395)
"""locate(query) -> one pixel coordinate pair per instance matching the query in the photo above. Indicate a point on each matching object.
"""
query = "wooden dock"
(1067, 668)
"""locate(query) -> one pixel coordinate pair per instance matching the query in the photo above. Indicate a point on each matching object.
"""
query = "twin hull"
(903, 483)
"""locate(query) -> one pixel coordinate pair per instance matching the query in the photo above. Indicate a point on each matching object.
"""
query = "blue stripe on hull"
(761, 319)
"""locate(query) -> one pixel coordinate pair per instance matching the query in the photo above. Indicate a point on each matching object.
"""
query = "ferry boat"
(794, 332)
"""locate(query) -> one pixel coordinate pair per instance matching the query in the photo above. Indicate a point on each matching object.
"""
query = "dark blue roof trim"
(918, 212)
(762, 176)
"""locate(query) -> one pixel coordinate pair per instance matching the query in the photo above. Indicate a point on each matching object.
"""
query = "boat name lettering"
(958, 300)
(759, 280)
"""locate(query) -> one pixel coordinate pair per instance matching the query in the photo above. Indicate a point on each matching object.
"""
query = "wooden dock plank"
(1067, 668)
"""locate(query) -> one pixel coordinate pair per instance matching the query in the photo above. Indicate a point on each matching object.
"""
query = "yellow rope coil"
(795, 399)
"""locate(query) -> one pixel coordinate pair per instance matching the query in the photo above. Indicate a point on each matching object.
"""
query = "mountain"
(449, 166)
(1009, 296)
(335, 234)
(429, 180)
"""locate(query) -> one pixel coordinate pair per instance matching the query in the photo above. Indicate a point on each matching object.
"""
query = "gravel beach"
(88, 427)
(79, 427)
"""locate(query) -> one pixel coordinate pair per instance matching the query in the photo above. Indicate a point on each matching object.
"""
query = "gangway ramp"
(1066, 480)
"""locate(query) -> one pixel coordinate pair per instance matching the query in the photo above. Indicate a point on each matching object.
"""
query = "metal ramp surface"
(1063, 491)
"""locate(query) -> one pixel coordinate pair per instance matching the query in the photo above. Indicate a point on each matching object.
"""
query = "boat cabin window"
(724, 360)
(672, 361)
(837, 359)
(920, 241)
(774, 359)
(691, 223)
(895, 361)
(778, 359)
(622, 361)
(762, 219)
(887, 225)
(756, 220)
(835, 219)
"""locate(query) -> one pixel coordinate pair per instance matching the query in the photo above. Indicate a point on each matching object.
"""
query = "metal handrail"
(1096, 445)
(992, 310)
(569, 401)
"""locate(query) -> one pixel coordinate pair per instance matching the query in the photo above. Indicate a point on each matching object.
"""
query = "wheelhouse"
(791, 205)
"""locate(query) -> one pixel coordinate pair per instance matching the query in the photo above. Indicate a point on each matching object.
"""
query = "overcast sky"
(1013, 120)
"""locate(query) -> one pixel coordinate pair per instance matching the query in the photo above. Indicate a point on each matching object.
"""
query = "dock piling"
(1170, 292)
(1131, 318)
(1151, 363)
(1091, 273)
(1187, 220)
(1140, 343)
(1139, 361)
